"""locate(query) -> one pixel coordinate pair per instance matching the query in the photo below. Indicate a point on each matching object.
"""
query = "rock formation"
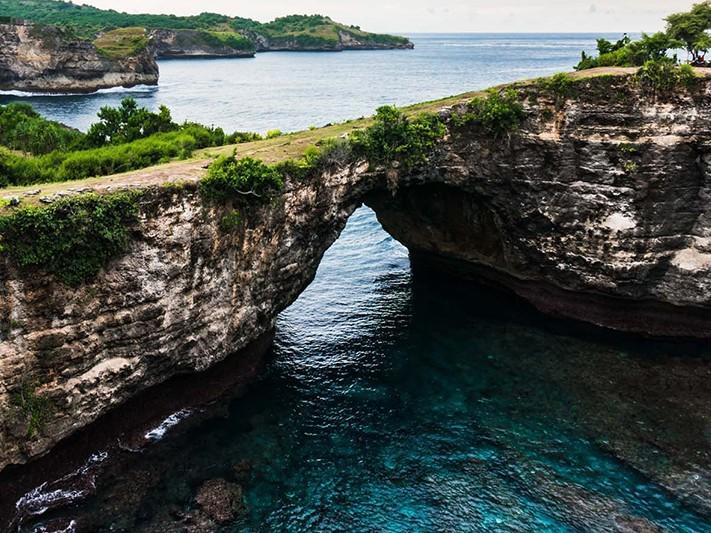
(195, 44)
(595, 209)
(39, 58)
(345, 41)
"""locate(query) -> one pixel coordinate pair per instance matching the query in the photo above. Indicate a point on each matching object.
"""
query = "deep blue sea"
(395, 401)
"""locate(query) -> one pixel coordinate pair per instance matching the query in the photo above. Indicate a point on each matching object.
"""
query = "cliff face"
(596, 209)
(343, 40)
(43, 59)
(197, 44)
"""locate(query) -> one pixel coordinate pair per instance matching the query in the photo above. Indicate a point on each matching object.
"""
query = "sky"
(438, 15)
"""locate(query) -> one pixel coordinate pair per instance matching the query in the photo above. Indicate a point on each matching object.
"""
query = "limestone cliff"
(596, 209)
(199, 44)
(38, 58)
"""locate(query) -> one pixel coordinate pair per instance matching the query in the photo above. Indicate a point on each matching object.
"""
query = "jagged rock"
(40, 58)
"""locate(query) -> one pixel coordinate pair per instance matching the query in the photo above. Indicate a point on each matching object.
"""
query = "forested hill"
(291, 32)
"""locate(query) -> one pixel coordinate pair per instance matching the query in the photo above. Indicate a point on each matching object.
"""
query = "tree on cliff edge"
(692, 28)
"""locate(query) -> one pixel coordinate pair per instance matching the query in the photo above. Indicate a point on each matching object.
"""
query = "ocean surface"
(393, 400)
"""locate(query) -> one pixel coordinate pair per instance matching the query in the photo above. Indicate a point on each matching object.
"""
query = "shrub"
(334, 152)
(396, 137)
(663, 76)
(229, 177)
(231, 221)
(239, 137)
(35, 409)
(21, 128)
(273, 134)
(629, 53)
(127, 123)
(107, 160)
(561, 85)
(500, 112)
(72, 238)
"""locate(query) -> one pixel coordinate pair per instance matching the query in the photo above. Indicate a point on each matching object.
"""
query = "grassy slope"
(123, 42)
(270, 151)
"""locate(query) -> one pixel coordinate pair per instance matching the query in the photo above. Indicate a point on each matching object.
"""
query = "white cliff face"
(596, 210)
(43, 59)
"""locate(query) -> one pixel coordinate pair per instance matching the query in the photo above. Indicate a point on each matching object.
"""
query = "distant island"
(79, 48)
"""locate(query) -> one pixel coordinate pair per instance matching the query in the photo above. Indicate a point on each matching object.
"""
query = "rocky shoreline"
(45, 59)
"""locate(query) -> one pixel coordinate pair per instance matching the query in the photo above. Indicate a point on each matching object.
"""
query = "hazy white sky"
(438, 15)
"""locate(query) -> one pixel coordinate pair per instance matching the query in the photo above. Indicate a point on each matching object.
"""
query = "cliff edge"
(38, 58)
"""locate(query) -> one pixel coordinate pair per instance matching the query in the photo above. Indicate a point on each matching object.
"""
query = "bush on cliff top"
(72, 238)
(229, 177)
(629, 53)
(664, 76)
(395, 137)
(499, 112)
(127, 123)
(125, 138)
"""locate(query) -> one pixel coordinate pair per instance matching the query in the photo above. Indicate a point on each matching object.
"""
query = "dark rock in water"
(220, 500)
(38, 58)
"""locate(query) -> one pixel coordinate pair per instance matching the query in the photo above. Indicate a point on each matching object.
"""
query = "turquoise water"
(395, 401)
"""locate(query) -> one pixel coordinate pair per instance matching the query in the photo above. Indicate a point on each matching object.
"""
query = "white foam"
(51, 494)
(110, 90)
(173, 420)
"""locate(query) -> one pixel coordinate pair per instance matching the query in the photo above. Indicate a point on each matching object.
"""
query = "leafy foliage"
(395, 137)
(226, 38)
(72, 238)
(499, 112)
(125, 138)
(691, 29)
(21, 128)
(229, 177)
(128, 123)
(629, 53)
(107, 160)
(231, 221)
(664, 76)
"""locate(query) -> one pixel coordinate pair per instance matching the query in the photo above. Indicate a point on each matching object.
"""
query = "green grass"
(122, 43)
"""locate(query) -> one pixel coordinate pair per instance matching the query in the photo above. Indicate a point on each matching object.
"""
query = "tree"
(128, 122)
(691, 29)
